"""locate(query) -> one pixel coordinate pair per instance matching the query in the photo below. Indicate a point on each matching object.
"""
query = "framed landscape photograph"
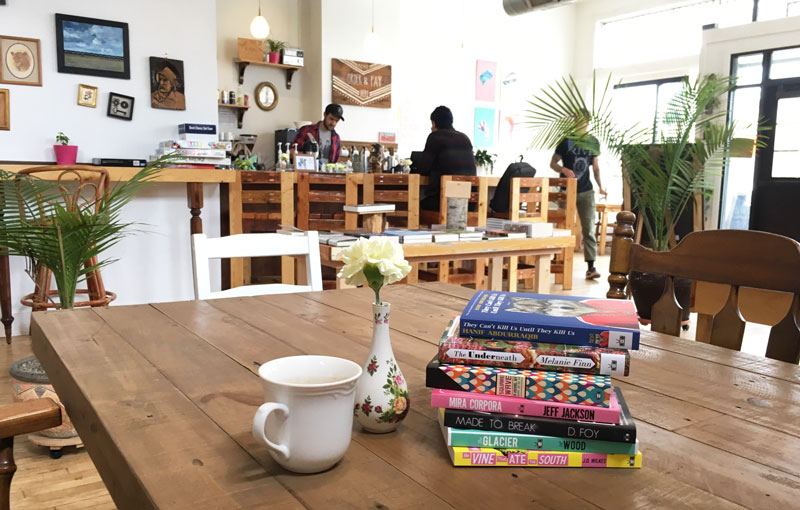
(20, 61)
(119, 106)
(91, 46)
(87, 95)
(5, 115)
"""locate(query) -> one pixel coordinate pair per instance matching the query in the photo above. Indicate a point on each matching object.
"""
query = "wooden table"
(163, 396)
(604, 209)
(541, 248)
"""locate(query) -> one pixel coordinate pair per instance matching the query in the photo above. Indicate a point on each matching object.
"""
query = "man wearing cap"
(324, 134)
(447, 152)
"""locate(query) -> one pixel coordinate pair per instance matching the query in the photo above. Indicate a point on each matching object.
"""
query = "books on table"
(369, 208)
(410, 236)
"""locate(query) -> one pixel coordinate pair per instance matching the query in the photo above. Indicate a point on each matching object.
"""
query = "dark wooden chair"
(17, 419)
(737, 275)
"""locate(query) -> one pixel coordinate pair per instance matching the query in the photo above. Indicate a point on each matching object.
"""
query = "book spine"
(197, 129)
(511, 405)
(484, 457)
(562, 387)
(587, 337)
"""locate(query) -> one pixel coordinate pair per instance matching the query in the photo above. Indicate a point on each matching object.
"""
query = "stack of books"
(525, 380)
(196, 147)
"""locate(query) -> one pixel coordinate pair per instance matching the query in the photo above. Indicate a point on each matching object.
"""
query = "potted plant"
(485, 162)
(275, 47)
(65, 154)
(664, 178)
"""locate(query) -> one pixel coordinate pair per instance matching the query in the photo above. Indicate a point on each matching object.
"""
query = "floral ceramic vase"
(382, 400)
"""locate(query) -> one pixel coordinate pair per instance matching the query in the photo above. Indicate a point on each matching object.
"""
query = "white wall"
(153, 266)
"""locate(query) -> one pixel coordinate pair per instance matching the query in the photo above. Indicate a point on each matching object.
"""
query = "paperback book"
(514, 405)
(191, 144)
(563, 387)
(551, 319)
(483, 457)
(485, 439)
(531, 355)
(624, 431)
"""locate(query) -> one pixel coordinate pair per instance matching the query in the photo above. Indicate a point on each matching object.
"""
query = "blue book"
(514, 316)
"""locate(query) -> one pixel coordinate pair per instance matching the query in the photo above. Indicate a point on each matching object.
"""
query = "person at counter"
(447, 152)
(324, 134)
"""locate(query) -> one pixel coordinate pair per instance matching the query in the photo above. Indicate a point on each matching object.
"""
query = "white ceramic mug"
(307, 420)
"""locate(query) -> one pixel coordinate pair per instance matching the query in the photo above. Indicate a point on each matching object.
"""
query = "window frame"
(657, 82)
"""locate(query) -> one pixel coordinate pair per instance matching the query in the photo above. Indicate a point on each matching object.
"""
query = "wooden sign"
(361, 84)
(250, 50)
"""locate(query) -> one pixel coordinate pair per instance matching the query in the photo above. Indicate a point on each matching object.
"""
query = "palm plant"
(58, 230)
(693, 145)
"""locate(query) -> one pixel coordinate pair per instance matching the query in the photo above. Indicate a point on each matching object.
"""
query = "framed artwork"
(484, 128)
(361, 83)
(304, 163)
(119, 106)
(5, 115)
(87, 95)
(166, 84)
(20, 61)
(485, 80)
(91, 46)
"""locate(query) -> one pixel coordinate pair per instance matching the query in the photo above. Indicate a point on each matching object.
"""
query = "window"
(644, 103)
(776, 9)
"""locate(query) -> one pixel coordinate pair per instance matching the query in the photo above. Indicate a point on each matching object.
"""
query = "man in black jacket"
(447, 152)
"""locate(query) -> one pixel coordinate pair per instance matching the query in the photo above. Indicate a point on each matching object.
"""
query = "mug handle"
(260, 423)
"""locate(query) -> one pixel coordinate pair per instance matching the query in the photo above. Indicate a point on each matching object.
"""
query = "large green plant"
(50, 225)
(694, 144)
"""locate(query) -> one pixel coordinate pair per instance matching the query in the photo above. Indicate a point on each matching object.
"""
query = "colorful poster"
(485, 80)
(484, 128)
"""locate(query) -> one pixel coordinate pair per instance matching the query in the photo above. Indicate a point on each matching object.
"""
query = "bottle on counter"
(223, 97)
(232, 97)
(355, 159)
(239, 96)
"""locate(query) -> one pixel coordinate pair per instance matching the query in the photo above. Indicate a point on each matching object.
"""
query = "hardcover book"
(551, 319)
(515, 405)
(486, 439)
(624, 431)
(531, 355)
(198, 129)
(563, 387)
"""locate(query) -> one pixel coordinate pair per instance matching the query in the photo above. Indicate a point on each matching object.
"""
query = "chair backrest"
(534, 193)
(738, 276)
(91, 183)
(267, 199)
(402, 190)
(254, 245)
(501, 200)
(564, 216)
(320, 198)
(479, 197)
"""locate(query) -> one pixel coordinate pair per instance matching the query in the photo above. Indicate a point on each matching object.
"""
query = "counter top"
(208, 175)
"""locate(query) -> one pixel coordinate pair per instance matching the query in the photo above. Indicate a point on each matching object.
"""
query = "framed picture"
(166, 84)
(87, 95)
(92, 46)
(20, 61)
(119, 106)
(5, 115)
(304, 163)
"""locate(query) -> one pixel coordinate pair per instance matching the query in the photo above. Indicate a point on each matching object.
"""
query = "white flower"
(386, 255)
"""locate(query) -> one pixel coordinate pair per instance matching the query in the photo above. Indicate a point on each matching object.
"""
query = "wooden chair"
(738, 276)
(80, 185)
(15, 420)
(479, 197)
(402, 190)
(564, 217)
(254, 245)
(320, 198)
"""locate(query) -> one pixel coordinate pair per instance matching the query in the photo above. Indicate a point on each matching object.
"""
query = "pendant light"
(259, 27)
(373, 40)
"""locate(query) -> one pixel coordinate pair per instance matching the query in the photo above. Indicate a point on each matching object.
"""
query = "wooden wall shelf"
(290, 70)
(240, 110)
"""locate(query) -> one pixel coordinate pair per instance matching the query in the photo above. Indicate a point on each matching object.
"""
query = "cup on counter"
(307, 419)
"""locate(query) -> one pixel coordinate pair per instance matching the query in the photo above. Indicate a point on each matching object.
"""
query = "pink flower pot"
(66, 154)
(274, 57)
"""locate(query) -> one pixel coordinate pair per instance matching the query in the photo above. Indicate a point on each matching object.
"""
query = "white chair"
(254, 245)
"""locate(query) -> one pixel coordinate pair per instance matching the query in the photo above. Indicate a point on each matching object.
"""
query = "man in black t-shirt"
(575, 160)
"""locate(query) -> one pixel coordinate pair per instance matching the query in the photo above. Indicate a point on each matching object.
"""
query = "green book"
(505, 440)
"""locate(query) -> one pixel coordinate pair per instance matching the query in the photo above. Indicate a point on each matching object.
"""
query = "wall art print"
(120, 106)
(20, 61)
(361, 83)
(87, 95)
(5, 114)
(93, 47)
(485, 80)
(484, 128)
(167, 84)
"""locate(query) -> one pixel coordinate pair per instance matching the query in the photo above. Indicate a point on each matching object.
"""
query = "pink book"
(514, 405)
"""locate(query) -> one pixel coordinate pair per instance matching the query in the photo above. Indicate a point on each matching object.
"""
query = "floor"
(72, 482)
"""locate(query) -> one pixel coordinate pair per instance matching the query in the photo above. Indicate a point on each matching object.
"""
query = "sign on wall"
(361, 83)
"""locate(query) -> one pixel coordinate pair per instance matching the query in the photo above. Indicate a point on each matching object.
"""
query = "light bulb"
(259, 27)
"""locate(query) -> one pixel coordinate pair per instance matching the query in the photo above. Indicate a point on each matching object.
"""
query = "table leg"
(513, 262)
(601, 244)
(495, 273)
(443, 271)
(5, 296)
(194, 193)
(302, 276)
(480, 273)
(529, 261)
(413, 275)
(541, 283)
(569, 255)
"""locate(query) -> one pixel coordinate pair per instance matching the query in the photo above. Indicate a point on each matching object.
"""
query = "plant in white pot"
(485, 162)
(65, 154)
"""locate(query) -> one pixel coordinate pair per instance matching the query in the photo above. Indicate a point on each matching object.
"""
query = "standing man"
(575, 163)
(447, 152)
(324, 134)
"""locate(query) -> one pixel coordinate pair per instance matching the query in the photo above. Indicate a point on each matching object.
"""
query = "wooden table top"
(209, 175)
(163, 396)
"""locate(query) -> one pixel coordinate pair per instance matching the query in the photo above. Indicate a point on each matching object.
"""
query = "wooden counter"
(117, 174)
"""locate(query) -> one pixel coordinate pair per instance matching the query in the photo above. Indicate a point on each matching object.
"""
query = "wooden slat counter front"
(163, 396)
